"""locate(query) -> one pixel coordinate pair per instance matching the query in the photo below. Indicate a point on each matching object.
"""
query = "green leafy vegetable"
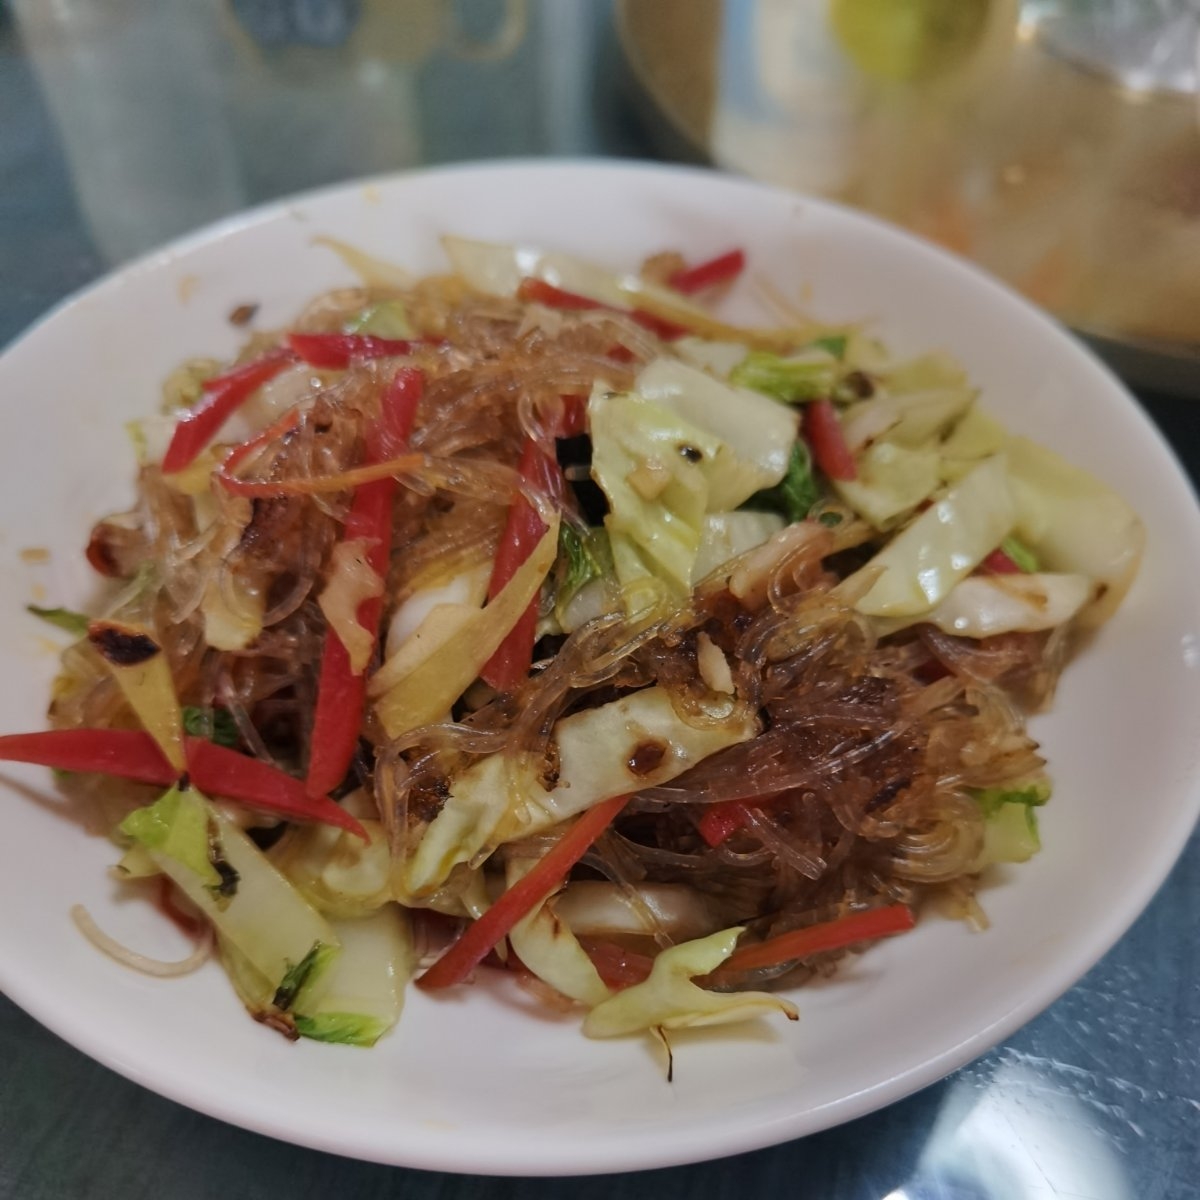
(1011, 829)
(832, 343)
(792, 380)
(1021, 554)
(387, 319)
(795, 494)
(216, 724)
(62, 618)
(363, 991)
(348, 1029)
(668, 999)
(582, 557)
(266, 922)
(176, 826)
(1033, 794)
(298, 975)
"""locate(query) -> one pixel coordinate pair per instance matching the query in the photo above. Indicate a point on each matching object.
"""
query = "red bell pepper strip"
(721, 820)
(723, 269)
(341, 693)
(823, 432)
(669, 331)
(999, 563)
(215, 770)
(222, 397)
(222, 772)
(335, 350)
(125, 753)
(830, 935)
(726, 817)
(264, 437)
(538, 291)
(524, 529)
(458, 962)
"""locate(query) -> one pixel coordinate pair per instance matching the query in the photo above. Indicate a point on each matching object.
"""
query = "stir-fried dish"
(531, 618)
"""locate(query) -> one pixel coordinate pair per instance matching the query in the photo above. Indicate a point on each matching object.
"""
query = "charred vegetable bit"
(655, 659)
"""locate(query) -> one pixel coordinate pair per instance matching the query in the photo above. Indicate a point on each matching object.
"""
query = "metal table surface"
(1097, 1099)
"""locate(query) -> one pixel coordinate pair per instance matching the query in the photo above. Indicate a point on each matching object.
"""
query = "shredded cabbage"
(915, 571)
(669, 999)
(547, 946)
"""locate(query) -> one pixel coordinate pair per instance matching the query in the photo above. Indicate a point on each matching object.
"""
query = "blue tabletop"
(238, 101)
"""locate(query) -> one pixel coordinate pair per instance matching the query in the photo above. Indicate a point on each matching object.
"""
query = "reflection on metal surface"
(1018, 1125)
(1055, 142)
(1018, 1136)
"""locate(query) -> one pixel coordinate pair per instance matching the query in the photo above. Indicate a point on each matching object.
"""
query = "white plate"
(482, 1081)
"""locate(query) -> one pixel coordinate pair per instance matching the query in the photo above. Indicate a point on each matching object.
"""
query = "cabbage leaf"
(498, 799)
(668, 999)
(250, 903)
(986, 605)
(916, 570)
(1074, 523)
(546, 945)
(756, 435)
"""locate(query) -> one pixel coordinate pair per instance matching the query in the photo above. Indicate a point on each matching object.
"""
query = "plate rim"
(784, 1126)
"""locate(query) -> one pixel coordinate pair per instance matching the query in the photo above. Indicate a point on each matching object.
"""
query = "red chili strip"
(830, 935)
(726, 817)
(336, 350)
(479, 937)
(215, 770)
(522, 532)
(723, 269)
(222, 397)
(538, 291)
(669, 331)
(823, 432)
(341, 692)
(721, 821)
(264, 437)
